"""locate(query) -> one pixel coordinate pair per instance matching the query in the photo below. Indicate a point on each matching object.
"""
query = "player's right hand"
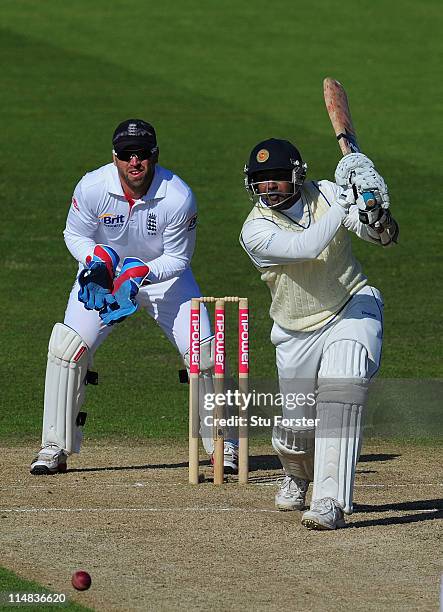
(94, 285)
(97, 277)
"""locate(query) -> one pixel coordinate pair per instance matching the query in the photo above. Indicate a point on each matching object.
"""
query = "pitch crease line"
(177, 510)
(271, 483)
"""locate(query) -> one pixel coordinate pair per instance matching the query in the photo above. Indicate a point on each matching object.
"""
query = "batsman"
(327, 319)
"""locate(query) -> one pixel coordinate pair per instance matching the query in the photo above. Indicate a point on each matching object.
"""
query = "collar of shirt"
(156, 191)
(296, 211)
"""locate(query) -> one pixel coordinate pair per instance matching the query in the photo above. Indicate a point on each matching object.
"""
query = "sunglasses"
(140, 154)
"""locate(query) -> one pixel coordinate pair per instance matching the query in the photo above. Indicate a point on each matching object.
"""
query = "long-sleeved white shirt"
(159, 228)
(268, 245)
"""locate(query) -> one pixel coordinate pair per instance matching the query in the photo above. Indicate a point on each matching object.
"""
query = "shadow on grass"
(431, 510)
(378, 457)
(264, 462)
(256, 463)
(123, 468)
(398, 520)
(422, 504)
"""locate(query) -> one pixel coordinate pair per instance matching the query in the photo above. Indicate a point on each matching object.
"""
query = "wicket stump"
(219, 378)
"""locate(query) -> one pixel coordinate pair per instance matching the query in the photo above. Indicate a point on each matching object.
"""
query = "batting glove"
(121, 303)
(385, 229)
(347, 166)
(96, 279)
(369, 180)
(346, 199)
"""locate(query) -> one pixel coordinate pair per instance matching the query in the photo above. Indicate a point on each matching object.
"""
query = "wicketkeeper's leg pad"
(206, 388)
(342, 391)
(207, 355)
(66, 375)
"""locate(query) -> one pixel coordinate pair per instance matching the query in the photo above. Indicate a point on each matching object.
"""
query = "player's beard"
(138, 184)
(281, 201)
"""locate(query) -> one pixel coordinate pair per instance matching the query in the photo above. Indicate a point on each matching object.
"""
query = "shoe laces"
(327, 504)
(50, 449)
(294, 486)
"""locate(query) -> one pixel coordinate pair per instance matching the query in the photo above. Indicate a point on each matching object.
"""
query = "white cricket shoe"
(50, 460)
(292, 494)
(324, 514)
(230, 457)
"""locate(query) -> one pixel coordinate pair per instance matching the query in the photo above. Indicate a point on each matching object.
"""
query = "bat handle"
(369, 199)
(368, 211)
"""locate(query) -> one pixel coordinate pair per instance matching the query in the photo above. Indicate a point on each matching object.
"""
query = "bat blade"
(339, 113)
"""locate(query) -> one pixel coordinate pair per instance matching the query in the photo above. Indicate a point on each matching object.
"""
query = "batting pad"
(336, 452)
(342, 389)
(64, 389)
(295, 448)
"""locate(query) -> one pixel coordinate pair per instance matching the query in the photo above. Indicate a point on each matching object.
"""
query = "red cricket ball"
(81, 580)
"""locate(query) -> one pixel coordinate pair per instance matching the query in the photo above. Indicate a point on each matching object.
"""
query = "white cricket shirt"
(159, 228)
(268, 245)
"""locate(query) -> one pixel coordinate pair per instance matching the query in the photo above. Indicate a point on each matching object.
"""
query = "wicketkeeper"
(328, 322)
(131, 226)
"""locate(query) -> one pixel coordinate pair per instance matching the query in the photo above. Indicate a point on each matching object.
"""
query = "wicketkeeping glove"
(97, 278)
(121, 302)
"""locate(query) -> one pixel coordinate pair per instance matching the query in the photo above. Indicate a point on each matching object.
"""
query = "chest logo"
(111, 220)
(151, 224)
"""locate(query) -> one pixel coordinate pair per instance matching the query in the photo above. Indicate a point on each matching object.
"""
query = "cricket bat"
(339, 113)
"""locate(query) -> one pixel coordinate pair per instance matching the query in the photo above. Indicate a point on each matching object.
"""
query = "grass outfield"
(214, 78)
(12, 584)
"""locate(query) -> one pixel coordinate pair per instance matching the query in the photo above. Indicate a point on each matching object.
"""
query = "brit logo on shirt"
(112, 221)
(151, 224)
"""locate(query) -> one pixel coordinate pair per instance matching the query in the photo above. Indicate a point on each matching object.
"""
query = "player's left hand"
(96, 278)
(95, 283)
(121, 303)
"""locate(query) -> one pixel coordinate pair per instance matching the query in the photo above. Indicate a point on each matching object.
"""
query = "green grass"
(10, 583)
(214, 78)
